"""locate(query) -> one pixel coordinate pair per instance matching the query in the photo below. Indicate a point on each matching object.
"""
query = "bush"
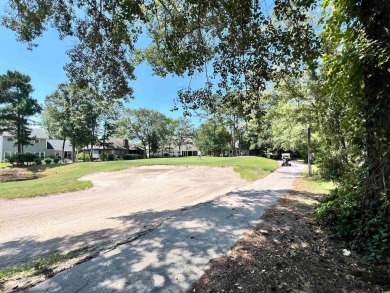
(166, 155)
(83, 157)
(364, 223)
(48, 161)
(38, 162)
(128, 157)
(137, 157)
(331, 169)
(11, 160)
(132, 157)
(56, 160)
(21, 159)
(107, 157)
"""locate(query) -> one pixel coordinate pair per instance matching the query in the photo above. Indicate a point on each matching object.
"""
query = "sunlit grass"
(315, 184)
(3, 165)
(38, 266)
(64, 178)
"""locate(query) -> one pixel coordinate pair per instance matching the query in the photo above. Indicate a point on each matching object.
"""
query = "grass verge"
(64, 178)
(23, 276)
(314, 183)
(39, 266)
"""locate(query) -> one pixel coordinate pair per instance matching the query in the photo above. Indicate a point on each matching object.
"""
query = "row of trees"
(84, 118)
(154, 130)
(79, 115)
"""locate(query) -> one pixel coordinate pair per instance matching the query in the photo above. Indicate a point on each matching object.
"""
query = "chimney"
(126, 143)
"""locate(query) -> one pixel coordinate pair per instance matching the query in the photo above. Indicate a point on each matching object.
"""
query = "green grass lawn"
(315, 184)
(64, 178)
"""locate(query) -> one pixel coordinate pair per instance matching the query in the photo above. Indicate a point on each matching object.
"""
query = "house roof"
(115, 144)
(56, 144)
(35, 132)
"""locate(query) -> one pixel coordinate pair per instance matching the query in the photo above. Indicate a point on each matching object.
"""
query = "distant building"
(41, 145)
(115, 146)
(187, 149)
(54, 148)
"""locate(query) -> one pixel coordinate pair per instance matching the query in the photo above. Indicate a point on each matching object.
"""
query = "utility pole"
(309, 149)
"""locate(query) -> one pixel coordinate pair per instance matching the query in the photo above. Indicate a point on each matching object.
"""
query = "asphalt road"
(175, 254)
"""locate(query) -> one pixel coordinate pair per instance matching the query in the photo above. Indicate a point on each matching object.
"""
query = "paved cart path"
(171, 257)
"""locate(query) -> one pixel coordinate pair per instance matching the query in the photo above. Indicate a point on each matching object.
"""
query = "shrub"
(107, 157)
(11, 160)
(331, 168)
(83, 157)
(132, 157)
(137, 156)
(38, 162)
(128, 157)
(362, 222)
(21, 159)
(56, 160)
(47, 161)
(166, 155)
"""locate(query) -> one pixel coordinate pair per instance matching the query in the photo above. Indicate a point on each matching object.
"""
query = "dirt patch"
(288, 252)
(16, 174)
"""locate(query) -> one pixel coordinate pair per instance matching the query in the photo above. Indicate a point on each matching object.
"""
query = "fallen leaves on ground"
(288, 252)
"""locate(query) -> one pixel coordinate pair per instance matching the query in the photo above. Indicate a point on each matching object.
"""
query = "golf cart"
(286, 157)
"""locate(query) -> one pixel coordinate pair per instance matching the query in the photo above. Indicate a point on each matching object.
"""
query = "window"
(57, 155)
(37, 141)
(41, 155)
(10, 139)
(7, 155)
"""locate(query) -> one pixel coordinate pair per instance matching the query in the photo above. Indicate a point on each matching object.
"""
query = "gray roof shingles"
(35, 132)
(56, 144)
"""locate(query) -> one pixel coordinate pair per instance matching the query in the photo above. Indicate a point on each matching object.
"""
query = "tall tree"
(212, 138)
(107, 124)
(167, 129)
(17, 107)
(142, 125)
(183, 131)
(356, 72)
(67, 115)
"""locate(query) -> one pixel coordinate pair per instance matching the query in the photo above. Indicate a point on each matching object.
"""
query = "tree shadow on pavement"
(169, 255)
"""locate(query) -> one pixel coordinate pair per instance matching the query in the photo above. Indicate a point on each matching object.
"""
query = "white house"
(187, 149)
(41, 145)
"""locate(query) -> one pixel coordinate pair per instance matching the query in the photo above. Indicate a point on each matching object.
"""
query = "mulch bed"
(288, 252)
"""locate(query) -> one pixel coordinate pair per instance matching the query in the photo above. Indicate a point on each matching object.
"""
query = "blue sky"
(44, 65)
